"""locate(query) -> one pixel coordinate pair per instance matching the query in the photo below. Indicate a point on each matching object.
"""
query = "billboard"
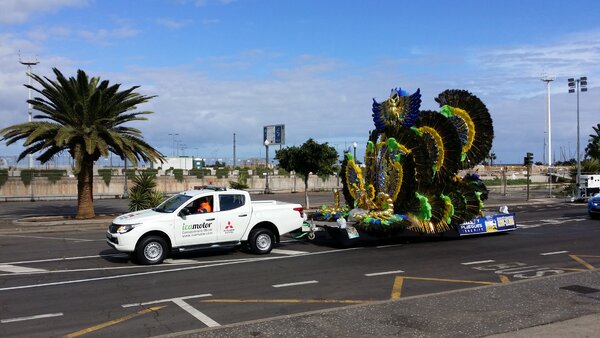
(275, 134)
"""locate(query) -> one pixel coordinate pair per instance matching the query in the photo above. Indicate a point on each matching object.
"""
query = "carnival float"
(409, 179)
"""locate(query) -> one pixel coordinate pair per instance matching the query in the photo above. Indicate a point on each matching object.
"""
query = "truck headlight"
(126, 228)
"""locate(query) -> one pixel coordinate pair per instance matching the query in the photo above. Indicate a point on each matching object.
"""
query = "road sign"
(275, 134)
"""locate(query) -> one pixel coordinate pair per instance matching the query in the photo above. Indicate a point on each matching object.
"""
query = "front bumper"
(121, 242)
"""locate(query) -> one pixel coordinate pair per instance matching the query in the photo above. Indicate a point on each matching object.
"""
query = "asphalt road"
(72, 283)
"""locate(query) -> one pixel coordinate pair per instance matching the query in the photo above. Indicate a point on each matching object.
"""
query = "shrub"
(3, 176)
(222, 173)
(143, 194)
(106, 175)
(27, 176)
(199, 173)
(130, 173)
(241, 182)
(178, 173)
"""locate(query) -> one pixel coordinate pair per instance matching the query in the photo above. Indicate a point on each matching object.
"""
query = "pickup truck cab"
(185, 222)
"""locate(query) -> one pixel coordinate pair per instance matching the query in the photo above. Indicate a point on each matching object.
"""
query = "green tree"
(85, 117)
(311, 157)
(593, 148)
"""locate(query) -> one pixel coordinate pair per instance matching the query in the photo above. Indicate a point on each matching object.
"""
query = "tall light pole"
(29, 64)
(173, 144)
(354, 145)
(578, 85)
(267, 190)
(548, 79)
(233, 167)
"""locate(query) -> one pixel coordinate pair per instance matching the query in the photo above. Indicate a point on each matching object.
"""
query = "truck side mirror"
(184, 212)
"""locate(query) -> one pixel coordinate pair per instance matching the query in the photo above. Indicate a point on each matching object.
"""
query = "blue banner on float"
(488, 224)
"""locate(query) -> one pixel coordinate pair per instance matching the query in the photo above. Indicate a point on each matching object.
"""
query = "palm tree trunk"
(307, 205)
(85, 190)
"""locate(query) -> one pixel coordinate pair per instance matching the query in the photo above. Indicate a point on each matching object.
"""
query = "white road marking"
(553, 253)
(119, 255)
(295, 284)
(20, 319)
(166, 300)
(383, 273)
(387, 246)
(147, 273)
(478, 262)
(197, 314)
(18, 269)
(180, 301)
(288, 252)
(179, 261)
(57, 238)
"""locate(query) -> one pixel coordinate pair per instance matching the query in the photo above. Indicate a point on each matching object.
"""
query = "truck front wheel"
(261, 241)
(151, 250)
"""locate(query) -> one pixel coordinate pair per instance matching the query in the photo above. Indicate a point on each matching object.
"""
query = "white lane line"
(20, 319)
(18, 269)
(383, 273)
(387, 246)
(553, 253)
(179, 261)
(119, 255)
(147, 273)
(288, 252)
(57, 238)
(166, 300)
(295, 284)
(478, 262)
(197, 314)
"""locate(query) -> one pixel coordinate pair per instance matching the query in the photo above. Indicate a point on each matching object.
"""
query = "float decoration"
(412, 157)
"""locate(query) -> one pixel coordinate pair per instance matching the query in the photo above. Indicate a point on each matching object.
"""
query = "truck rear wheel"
(261, 241)
(151, 250)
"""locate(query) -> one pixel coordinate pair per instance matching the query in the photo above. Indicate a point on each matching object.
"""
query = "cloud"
(173, 23)
(18, 11)
(105, 36)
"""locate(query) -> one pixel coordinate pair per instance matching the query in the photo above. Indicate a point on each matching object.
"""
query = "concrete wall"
(66, 188)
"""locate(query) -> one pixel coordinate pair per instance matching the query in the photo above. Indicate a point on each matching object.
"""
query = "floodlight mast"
(29, 64)
(577, 86)
(549, 79)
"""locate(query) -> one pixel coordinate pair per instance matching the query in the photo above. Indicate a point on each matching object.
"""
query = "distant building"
(181, 162)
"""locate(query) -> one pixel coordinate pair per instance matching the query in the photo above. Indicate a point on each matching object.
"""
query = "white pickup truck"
(182, 223)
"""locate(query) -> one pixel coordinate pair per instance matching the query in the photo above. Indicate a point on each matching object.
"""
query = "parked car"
(594, 206)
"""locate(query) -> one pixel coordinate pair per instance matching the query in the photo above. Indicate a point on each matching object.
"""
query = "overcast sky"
(221, 67)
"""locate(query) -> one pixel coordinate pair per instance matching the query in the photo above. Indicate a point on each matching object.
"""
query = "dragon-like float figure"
(409, 178)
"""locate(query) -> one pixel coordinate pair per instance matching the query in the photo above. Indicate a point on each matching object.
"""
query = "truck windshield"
(172, 203)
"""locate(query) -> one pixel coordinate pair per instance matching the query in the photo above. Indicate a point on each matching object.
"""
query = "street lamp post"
(578, 85)
(267, 190)
(173, 143)
(548, 79)
(354, 145)
(29, 63)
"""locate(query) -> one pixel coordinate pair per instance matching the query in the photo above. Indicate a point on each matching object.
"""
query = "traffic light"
(528, 160)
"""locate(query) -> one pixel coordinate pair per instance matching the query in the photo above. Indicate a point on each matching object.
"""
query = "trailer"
(346, 232)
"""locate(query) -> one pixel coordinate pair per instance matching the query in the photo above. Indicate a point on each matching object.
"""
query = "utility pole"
(29, 64)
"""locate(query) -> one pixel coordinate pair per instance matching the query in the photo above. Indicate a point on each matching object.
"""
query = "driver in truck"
(204, 206)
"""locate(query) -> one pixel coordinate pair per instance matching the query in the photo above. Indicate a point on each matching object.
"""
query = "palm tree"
(593, 148)
(83, 116)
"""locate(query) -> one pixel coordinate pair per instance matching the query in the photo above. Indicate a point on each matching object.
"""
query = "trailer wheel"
(261, 241)
(151, 250)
